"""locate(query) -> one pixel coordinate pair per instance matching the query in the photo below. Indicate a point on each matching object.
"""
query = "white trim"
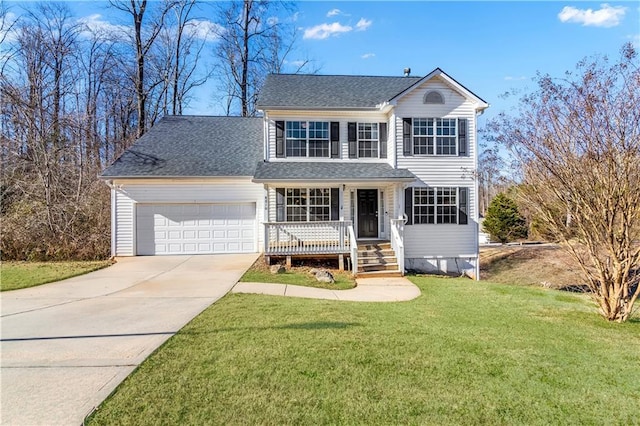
(114, 221)
(480, 104)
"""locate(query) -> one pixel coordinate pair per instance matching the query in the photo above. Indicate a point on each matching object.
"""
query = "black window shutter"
(463, 206)
(383, 140)
(335, 139)
(406, 137)
(408, 204)
(279, 204)
(353, 140)
(462, 137)
(335, 204)
(280, 139)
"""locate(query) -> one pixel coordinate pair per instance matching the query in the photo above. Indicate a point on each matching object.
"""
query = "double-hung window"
(368, 140)
(307, 139)
(435, 205)
(435, 136)
(308, 204)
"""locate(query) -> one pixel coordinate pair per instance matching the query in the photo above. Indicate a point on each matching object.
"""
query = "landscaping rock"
(278, 269)
(325, 277)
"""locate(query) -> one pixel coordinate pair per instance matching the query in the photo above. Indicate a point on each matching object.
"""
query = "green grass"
(16, 275)
(463, 353)
(259, 273)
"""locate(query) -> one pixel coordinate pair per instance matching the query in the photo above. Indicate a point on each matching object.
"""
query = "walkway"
(367, 290)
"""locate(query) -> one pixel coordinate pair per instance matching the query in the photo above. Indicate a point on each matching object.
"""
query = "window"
(446, 136)
(307, 204)
(307, 139)
(435, 205)
(435, 136)
(433, 97)
(368, 138)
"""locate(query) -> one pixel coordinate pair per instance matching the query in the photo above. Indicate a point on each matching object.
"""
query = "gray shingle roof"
(330, 91)
(184, 146)
(329, 171)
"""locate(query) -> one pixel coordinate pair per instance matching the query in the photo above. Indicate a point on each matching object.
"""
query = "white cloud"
(606, 16)
(512, 78)
(324, 31)
(368, 55)
(333, 12)
(203, 29)
(363, 24)
(94, 24)
(7, 28)
(635, 39)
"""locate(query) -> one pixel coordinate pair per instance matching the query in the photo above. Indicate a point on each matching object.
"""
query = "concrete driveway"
(67, 345)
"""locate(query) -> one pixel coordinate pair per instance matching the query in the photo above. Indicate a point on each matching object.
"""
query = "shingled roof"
(329, 171)
(302, 91)
(193, 146)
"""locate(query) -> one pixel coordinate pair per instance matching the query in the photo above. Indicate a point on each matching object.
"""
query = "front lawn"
(298, 275)
(16, 275)
(464, 352)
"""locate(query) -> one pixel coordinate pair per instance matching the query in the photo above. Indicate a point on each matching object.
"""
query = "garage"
(197, 228)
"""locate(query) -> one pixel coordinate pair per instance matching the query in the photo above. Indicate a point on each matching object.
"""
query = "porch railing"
(397, 241)
(287, 238)
(354, 250)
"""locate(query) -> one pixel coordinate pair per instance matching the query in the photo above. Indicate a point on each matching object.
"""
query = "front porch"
(371, 257)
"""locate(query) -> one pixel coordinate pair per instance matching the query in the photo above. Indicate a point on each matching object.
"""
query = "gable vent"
(433, 97)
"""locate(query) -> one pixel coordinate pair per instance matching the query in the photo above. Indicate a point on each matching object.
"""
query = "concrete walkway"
(367, 290)
(65, 346)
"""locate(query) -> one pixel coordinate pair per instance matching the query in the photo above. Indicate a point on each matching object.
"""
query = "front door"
(367, 213)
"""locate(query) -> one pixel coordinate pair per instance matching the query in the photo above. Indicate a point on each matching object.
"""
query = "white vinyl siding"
(432, 241)
(438, 170)
(442, 240)
(130, 193)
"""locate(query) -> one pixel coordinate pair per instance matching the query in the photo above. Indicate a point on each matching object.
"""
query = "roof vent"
(407, 72)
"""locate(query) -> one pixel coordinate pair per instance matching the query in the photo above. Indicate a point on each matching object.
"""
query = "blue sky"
(490, 47)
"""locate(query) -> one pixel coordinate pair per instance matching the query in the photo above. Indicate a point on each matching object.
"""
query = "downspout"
(477, 215)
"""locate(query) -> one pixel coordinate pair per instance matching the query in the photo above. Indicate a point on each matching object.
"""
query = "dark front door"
(367, 213)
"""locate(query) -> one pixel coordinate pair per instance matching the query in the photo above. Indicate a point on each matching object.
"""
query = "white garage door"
(195, 228)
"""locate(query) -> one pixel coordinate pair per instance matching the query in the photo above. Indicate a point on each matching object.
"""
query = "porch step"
(376, 253)
(374, 246)
(379, 274)
(378, 267)
(375, 260)
(377, 257)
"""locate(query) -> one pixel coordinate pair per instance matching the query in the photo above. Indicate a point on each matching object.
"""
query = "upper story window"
(435, 136)
(307, 139)
(368, 139)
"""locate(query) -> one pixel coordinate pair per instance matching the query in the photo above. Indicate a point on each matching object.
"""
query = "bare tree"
(178, 55)
(254, 41)
(144, 35)
(577, 140)
(491, 181)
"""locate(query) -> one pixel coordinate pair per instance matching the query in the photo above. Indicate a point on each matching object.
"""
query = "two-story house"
(378, 171)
